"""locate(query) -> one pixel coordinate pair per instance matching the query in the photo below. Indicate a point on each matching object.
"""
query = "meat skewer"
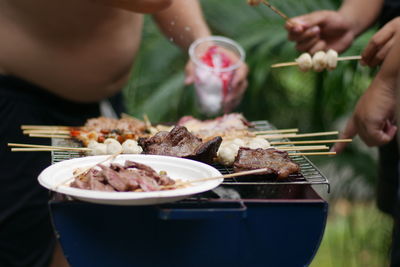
(318, 62)
(279, 136)
(313, 142)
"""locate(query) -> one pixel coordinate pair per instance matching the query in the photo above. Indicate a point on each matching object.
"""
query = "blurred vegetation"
(286, 97)
(357, 235)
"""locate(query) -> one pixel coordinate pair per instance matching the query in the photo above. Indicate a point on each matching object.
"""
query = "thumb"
(387, 134)
(349, 132)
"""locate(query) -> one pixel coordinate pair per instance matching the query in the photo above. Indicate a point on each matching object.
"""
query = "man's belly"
(79, 65)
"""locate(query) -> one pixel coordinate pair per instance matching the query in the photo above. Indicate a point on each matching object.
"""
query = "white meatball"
(131, 147)
(331, 59)
(97, 148)
(319, 61)
(238, 142)
(258, 142)
(305, 62)
(226, 154)
(113, 146)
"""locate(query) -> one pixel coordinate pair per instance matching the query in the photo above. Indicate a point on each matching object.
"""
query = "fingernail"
(315, 29)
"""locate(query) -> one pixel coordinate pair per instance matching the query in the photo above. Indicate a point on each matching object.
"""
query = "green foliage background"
(286, 97)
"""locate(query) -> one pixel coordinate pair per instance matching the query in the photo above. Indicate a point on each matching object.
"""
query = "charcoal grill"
(241, 223)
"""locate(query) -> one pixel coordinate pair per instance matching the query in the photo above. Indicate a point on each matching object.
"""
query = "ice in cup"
(215, 61)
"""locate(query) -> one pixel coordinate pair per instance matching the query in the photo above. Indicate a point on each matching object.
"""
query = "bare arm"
(360, 14)
(183, 22)
(139, 6)
(374, 116)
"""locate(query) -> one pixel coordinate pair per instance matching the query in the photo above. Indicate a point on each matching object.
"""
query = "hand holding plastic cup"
(215, 61)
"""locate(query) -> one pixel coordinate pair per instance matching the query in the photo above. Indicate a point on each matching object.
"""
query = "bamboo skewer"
(237, 174)
(294, 148)
(276, 131)
(312, 142)
(277, 11)
(38, 127)
(50, 136)
(279, 136)
(46, 131)
(312, 154)
(32, 147)
(38, 149)
(288, 64)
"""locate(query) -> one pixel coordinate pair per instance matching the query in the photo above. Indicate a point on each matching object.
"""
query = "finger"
(309, 34)
(378, 138)
(295, 25)
(320, 45)
(298, 26)
(349, 132)
(189, 73)
(240, 75)
(233, 99)
(376, 43)
(381, 54)
(306, 45)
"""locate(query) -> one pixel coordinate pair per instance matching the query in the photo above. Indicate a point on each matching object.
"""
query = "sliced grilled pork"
(277, 162)
(179, 142)
(128, 177)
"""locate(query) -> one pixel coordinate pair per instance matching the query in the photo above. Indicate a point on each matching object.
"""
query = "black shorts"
(26, 234)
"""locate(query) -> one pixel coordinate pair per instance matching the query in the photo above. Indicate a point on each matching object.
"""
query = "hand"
(320, 30)
(238, 85)
(380, 44)
(373, 117)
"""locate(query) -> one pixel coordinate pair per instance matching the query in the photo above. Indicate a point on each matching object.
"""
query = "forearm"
(391, 65)
(361, 13)
(183, 22)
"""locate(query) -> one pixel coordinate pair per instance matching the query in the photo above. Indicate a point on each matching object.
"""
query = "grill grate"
(310, 174)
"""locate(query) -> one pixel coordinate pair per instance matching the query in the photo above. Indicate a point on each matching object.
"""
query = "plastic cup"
(215, 59)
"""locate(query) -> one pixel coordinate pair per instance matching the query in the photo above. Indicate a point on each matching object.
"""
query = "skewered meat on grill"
(103, 124)
(179, 142)
(278, 162)
(132, 176)
(220, 126)
(112, 146)
(229, 148)
(101, 128)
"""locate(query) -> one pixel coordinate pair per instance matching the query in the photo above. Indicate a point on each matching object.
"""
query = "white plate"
(55, 176)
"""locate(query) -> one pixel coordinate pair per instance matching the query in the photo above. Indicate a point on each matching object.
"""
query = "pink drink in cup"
(216, 60)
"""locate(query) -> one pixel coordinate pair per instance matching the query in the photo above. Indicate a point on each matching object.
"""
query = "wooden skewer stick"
(33, 146)
(302, 148)
(313, 142)
(38, 149)
(38, 127)
(46, 131)
(349, 58)
(50, 136)
(277, 131)
(236, 174)
(279, 136)
(312, 154)
(288, 64)
(277, 11)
